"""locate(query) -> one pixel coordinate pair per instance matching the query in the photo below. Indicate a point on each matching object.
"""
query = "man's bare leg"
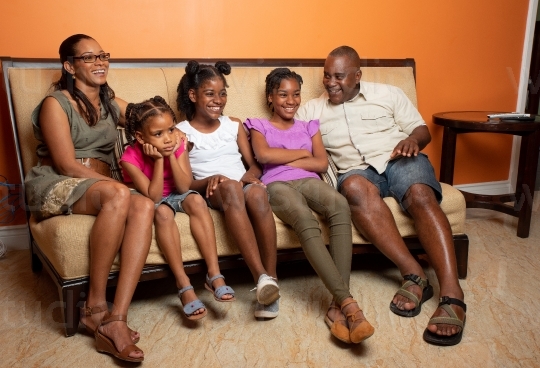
(435, 235)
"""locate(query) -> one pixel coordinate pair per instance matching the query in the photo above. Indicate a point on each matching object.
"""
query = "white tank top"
(215, 153)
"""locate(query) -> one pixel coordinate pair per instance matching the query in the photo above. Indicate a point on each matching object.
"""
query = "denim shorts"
(175, 199)
(399, 176)
(244, 188)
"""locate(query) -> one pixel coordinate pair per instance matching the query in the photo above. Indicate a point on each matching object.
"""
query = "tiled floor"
(503, 321)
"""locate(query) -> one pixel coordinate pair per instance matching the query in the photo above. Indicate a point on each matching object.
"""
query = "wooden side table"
(459, 122)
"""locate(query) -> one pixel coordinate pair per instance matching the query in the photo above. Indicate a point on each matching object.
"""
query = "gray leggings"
(292, 201)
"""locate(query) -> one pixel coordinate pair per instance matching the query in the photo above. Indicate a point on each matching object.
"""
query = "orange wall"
(468, 53)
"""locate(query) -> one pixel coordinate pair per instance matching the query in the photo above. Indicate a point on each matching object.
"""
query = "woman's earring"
(73, 76)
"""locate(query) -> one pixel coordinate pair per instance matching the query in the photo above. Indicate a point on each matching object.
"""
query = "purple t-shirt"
(135, 156)
(299, 136)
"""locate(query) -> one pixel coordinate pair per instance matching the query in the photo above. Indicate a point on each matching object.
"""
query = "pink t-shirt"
(135, 156)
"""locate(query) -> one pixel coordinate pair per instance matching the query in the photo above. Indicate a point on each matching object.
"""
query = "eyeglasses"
(93, 58)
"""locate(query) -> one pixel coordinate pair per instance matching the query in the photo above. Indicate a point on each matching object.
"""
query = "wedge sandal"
(427, 293)
(89, 311)
(452, 319)
(105, 345)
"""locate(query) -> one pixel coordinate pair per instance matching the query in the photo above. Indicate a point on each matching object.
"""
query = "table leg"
(448, 156)
(525, 183)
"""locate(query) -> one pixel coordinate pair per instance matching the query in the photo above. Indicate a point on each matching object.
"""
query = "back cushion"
(245, 94)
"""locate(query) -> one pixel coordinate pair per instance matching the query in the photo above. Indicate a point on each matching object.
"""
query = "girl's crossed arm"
(275, 156)
(318, 162)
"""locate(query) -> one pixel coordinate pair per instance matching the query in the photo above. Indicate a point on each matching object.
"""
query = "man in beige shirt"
(374, 134)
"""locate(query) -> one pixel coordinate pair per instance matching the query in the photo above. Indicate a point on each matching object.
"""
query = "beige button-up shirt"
(365, 130)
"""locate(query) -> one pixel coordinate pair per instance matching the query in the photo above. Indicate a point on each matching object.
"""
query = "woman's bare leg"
(120, 219)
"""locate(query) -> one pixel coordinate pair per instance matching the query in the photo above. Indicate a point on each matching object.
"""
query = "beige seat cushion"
(64, 239)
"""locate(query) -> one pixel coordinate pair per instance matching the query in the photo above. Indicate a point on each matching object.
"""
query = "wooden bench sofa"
(60, 244)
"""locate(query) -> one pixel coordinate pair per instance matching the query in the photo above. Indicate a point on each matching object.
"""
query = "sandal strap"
(223, 290)
(88, 311)
(183, 290)
(193, 306)
(417, 280)
(115, 318)
(452, 320)
(209, 281)
(343, 305)
(412, 279)
(407, 294)
(446, 300)
(446, 320)
(351, 315)
(333, 305)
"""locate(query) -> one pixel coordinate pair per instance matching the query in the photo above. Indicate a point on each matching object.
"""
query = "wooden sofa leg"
(37, 266)
(71, 299)
(461, 246)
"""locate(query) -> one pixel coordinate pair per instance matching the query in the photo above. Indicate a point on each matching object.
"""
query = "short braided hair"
(138, 113)
(196, 75)
(274, 78)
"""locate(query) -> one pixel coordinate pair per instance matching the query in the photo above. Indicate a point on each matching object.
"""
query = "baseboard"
(491, 188)
(15, 237)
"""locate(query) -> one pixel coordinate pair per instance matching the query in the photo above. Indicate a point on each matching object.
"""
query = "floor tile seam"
(214, 347)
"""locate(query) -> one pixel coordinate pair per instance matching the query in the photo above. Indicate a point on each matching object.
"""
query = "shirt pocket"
(377, 120)
(328, 134)
(326, 129)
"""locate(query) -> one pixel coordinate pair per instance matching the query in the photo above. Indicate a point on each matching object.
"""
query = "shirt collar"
(361, 93)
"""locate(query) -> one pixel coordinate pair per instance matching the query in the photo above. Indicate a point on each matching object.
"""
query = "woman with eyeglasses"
(76, 127)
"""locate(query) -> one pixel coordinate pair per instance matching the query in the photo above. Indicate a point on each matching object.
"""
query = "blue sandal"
(220, 291)
(191, 307)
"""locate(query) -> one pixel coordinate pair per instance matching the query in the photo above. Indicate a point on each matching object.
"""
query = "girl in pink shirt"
(155, 165)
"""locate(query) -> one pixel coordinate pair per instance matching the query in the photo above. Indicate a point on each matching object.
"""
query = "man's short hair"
(348, 52)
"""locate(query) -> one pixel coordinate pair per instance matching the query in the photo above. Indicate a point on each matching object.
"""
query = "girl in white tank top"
(227, 175)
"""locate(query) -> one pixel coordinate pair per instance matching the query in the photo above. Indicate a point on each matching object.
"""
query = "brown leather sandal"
(106, 345)
(89, 311)
(339, 330)
(363, 330)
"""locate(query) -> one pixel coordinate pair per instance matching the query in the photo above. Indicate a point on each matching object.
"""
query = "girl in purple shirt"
(292, 155)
